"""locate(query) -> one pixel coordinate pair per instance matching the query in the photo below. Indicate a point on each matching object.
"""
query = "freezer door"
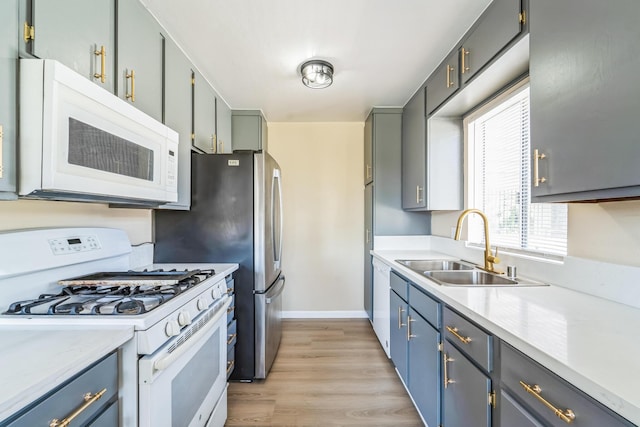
(268, 327)
(268, 220)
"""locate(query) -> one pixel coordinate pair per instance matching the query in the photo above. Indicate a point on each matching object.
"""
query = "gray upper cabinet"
(223, 126)
(78, 33)
(177, 115)
(140, 58)
(8, 103)
(585, 99)
(499, 24)
(444, 82)
(368, 150)
(204, 136)
(249, 130)
(432, 158)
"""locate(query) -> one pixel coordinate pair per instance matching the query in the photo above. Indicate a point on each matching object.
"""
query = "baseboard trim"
(324, 314)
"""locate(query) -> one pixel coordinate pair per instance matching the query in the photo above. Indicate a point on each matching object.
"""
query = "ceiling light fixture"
(317, 74)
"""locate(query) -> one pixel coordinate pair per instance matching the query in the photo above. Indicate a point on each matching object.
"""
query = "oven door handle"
(166, 361)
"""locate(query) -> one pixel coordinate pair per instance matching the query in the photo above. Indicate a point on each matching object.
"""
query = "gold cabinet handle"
(231, 308)
(229, 291)
(230, 364)
(102, 75)
(132, 95)
(566, 415)
(418, 198)
(368, 236)
(1, 144)
(455, 333)
(409, 334)
(231, 338)
(464, 68)
(88, 400)
(400, 324)
(214, 144)
(449, 79)
(446, 359)
(221, 147)
(537, 156)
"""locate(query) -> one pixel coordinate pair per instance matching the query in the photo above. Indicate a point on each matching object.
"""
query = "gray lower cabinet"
(204, 137)
(444, 82)
(63, 401)
(177, 115)
(249, 130)
(140, 58)
(585, 99)
(466, 391)
(78, 33)
(500, 23)
(432, 158)
(527, 383)
(8, 100)
(368, 246)
(399, 310)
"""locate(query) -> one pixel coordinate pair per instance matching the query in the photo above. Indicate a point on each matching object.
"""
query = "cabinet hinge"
(522, 17)
(440, 347)
(492, 399)
(193, 136)
(193, 81)
(29, 32)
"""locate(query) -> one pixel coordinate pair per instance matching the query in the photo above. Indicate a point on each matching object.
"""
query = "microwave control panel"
(69, 245)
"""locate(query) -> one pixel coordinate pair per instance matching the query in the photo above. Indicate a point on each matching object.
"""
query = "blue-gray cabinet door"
(414, 147)
(8, 85)
(74, 33)
(444, 82)
(368, 150)
(223, 126)
(424, 367)
(466, 391)
(511, 414)
(585, 99)
(399, 310)
(204, 115)
(177, 115)
(368, 246)
(140, 58)
(499, 24)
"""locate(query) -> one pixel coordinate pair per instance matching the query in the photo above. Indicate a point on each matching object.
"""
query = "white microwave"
(80, 142)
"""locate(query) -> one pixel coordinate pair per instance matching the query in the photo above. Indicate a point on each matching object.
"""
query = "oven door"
(181, 384)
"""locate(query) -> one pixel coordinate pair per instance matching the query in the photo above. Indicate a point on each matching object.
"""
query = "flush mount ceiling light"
(317, 74)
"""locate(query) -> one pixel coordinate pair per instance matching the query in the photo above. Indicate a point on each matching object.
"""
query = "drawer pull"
(88, 400)
(231, 338)
(566, 415)
(409, 334)
(230, 364)
(400, 324)
(445, 360)
(229, 291)
(455, 333)
(230, 309)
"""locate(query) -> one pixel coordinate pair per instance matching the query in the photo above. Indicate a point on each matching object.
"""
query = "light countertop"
(590, 342)
(36, 359)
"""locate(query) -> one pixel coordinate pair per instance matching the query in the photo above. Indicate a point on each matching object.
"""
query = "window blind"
(499, 143)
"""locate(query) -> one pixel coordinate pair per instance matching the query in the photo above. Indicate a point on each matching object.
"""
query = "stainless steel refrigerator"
(235, 216)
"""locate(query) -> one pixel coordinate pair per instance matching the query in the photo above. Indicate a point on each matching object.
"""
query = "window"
(500, 180)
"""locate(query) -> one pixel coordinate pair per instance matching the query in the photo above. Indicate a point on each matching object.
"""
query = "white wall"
(608, 232)
(39, 213)
(323, 214)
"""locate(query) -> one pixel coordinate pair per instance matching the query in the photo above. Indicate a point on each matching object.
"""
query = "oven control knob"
(172, 328)
(201, 304)
(216, 293)
(184, 318)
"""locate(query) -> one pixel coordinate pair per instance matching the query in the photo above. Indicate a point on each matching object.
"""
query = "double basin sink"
(457, 273)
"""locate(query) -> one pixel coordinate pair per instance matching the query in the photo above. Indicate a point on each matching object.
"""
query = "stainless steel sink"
(469, 278)
(422, 265)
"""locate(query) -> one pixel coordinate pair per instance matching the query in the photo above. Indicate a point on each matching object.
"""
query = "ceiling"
(251, 50)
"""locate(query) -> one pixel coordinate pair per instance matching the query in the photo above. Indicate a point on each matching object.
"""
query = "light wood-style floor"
(327, 373)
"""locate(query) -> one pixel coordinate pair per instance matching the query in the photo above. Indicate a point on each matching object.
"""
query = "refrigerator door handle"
(277, 247)
(278, 292)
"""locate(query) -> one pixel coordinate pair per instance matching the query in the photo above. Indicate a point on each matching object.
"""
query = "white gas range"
(178, 312)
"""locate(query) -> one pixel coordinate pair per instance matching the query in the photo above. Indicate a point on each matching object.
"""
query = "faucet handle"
(494, 259)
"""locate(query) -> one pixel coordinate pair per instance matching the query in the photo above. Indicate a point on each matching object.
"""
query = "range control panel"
(69, 245)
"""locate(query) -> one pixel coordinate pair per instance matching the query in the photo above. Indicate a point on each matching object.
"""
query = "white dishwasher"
(381, 303)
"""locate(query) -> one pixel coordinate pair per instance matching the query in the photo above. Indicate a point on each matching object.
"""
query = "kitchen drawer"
(232, 335)
(231, 360)
(425, 305)
(399, 285)
(468, 337)
(516, 367)
(108, 418)
(68, 397)
(231, 311)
